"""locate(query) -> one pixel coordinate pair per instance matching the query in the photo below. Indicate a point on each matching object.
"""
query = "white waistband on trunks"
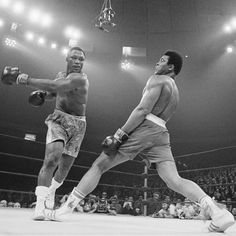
(78, 117)
(155, 119)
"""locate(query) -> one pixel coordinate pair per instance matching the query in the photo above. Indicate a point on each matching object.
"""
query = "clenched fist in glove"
(112, 143)
(11, 75)
(37, 98)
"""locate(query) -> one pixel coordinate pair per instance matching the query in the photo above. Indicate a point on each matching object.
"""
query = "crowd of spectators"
(161, 202)
(219, 183)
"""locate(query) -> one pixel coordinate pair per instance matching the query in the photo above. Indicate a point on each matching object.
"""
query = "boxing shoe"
(41, 192)
(50, 200)
(54, 215)
(62, 213)
(221, 221)
(39, 212)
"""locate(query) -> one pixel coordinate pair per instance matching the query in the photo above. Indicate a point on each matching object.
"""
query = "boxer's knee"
(103, 163)
(51, 160)
(174, 183)
(172, 180)
(66, 162)
(100, 166)
(169, 174)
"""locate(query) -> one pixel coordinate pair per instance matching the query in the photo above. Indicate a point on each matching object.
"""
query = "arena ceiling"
(205, 119)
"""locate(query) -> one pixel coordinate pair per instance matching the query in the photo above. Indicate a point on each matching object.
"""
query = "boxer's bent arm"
(145, 106)
(72, 81)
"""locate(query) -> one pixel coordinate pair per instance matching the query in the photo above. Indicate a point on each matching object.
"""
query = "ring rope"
(201, 169)
(176, 157)
(67, 180)
(110, 185)
(120, 172)
(78, 166)
(201, 185)
(16, 191)
(207, 151)
(39, 142)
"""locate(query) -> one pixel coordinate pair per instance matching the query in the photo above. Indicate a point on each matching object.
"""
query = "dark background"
(205, 119)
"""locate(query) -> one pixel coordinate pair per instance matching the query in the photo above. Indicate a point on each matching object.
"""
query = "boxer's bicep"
(72, 81)
(150, 97)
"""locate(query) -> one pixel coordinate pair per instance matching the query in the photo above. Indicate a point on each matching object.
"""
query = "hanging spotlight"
(53, 45)
(10, 42)
(73, 43)
(41, 41)
(104, 19)
(126, 64)
(14, 27)
(229, 49)
(65, 50)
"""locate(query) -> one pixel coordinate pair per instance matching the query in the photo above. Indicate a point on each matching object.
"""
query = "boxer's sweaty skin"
(74, 101)
(160, 97)
(167, 102)
(70, 88)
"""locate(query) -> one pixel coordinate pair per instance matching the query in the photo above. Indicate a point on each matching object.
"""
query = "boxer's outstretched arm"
(72, 81)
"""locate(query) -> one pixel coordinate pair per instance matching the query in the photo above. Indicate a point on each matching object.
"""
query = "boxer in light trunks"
(145, 132)
(66, 126)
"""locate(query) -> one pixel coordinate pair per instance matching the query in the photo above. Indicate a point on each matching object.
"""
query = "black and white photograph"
(117, 117)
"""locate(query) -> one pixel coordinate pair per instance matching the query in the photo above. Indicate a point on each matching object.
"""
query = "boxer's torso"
(168, 100)
(74, 101)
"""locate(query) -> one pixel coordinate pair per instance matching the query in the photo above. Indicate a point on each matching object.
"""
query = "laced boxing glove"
(12, 75)
(37, 98)
(112, 143)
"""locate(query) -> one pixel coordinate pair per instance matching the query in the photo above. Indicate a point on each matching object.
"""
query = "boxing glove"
(112, 143)
(11, 75)
(37, 98)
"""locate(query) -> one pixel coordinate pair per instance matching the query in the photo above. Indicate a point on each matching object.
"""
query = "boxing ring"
(18, 221)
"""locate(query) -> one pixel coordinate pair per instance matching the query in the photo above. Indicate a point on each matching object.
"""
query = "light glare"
(229, 49)
(41, 41)
(233, 23)
(5, 3)
(46, 20)
(29, 36)
(34, 15)
(72, 33)
(227, 29)
(18, 8)
(126, 51)
(1, 23)
(125, 65)
(64, 50)
(53, 45)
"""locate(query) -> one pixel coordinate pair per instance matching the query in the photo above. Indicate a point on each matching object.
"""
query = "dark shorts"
(68, 128)
(149, 140)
